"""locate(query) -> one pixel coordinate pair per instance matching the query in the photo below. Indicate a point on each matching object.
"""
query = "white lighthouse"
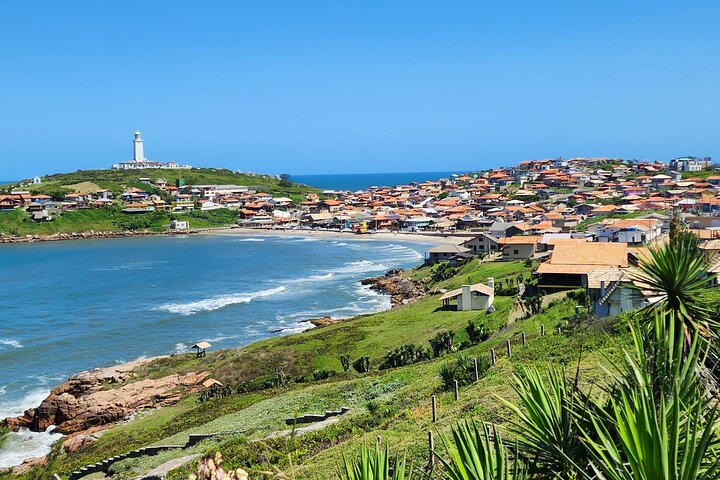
(138, 152)
(139, 162)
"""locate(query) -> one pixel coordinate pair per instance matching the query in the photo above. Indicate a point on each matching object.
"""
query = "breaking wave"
(216, 303)
(10, 342)
(251, 239)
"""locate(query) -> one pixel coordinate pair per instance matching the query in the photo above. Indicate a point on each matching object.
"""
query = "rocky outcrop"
(324, 321)
(89, 235)
(402, 290)
(92, 399)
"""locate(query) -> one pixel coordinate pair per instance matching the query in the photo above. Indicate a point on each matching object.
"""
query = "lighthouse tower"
(138, 153)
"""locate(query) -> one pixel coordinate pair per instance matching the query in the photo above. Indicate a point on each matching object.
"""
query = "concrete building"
(471, 297)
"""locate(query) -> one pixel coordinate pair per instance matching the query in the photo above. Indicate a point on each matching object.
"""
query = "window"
(516, 252)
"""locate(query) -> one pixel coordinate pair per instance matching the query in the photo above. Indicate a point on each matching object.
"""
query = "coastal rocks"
(28, 464)
(402, 290)
(90, 400)
(323, 321)
(89, 235)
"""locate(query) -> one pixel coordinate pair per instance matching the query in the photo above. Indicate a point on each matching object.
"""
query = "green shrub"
(345, 362)
(476, 333)
(362, 365)
(405, 355)
(443, 343)
(463, 370)
(323, 374)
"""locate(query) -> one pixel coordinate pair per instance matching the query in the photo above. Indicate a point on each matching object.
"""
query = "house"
(179, 225)
(501, 229)
(611, 291)
(482, 244)
(519, 247)
(443, 252)
(570, 263)
(471, 297)
(632, 231)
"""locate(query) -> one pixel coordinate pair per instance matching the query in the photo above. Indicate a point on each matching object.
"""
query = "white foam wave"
(181, 348)
(25, 444)
(312, 278)
(3, 390)
(15, 408)
(360, 266)
(251, 239)
(216, 303)
(10, 342)
(130, 266)
(221, 337)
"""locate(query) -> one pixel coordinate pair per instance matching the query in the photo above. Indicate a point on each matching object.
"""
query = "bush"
(373, 407)
(463, 370)
(323, 374)
(4, 432)
(404, 355)
(345, 362)
(443, 343)
(362, 365)
(477, 333)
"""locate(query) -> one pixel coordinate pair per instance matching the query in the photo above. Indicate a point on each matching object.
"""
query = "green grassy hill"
(19, 223)
(393, 403)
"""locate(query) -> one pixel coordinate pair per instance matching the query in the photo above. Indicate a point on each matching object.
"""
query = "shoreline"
(382, 237)
(416, 237)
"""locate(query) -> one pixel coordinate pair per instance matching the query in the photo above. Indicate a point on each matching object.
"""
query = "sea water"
(76, 305)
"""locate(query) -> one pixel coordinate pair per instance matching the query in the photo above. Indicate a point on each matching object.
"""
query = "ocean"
(77, 305)
(361, 181)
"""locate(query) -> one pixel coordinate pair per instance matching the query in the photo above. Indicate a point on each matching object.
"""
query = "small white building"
(179, 225)
(471, 297)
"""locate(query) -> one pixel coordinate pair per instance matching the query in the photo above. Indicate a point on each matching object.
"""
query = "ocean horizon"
(361, 181)
(118, 300)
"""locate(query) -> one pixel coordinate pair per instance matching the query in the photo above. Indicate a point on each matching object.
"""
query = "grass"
(401, 395)
(117, 180)
(109, 219)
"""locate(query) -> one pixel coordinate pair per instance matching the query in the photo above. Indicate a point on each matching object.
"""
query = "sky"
(355, 86)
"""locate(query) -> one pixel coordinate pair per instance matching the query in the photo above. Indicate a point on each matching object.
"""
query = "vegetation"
(3, 435)
(393, 402)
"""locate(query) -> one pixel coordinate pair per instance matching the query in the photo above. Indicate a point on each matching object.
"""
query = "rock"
(323, 322)
(84, 402)
(76, 441)
(402, 290)
(28, 464)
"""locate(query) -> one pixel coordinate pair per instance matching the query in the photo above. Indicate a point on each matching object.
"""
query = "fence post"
(475, 366)
(559, 330)
(542, 330)
(434, 409)
(493, 360)
(509, 348)
(379, 440)
(522, 336)
(457, 391)
(431, 444)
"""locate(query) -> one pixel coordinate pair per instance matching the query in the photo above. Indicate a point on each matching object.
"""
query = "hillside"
(293, 375)
(17, 222)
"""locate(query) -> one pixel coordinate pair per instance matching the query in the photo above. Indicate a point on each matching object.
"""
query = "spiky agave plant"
(676, 275)
(546, 421)
(478, 453)
(375, 465)
(659, 421)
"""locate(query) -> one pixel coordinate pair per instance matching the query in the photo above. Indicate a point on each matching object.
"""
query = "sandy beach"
(430, 238)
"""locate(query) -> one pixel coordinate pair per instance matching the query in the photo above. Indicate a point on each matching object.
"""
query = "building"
(471, 297)
(443, 252)
(139, 162)
(689, 164)
(482, 244)
(520, 247)
(570, 263)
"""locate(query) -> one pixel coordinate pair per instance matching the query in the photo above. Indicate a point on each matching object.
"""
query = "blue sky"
(354, 86)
